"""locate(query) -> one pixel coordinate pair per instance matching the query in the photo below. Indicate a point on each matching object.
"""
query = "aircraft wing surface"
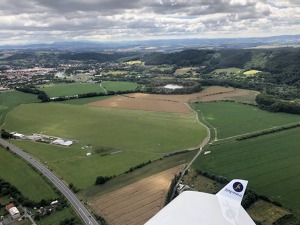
(198, 208)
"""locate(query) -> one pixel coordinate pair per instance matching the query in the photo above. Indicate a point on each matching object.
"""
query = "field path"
(201, 146)
(103, 88)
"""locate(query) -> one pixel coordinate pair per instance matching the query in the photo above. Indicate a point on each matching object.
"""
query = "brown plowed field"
(176, 103)
(136, 203)
(127, 102)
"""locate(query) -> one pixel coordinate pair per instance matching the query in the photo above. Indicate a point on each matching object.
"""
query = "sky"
(47, 21)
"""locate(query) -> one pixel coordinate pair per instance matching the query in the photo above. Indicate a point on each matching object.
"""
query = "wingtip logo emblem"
(238, 187)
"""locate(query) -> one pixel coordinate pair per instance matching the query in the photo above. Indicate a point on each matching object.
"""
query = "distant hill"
(166, 45)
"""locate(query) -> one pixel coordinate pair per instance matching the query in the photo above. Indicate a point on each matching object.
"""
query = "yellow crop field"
(251, 72)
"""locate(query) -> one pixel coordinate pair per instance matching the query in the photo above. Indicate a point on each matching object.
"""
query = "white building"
(62, 142)
(13, 211)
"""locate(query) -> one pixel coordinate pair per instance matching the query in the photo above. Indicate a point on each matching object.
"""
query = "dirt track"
(136, 203)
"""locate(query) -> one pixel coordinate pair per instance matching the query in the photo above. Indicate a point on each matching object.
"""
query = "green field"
(58, 216)
(270, 163)
(136, 136)
(119, 86)
(107, 127)
(15, 171)
(227, 70)
(83, 101)
(161, 68)
(57, 90)
(231, 119)
(11, 99)
(72, 165)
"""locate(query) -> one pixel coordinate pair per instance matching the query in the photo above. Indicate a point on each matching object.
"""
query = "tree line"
(272, 104)
(269, 131)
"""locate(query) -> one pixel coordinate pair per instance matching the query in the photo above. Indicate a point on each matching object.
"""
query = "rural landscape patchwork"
(118, 132)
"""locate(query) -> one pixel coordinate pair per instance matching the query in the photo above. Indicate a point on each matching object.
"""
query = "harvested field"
(142, 104)
(266, 212)
(213, 90)
(136, 203)
(176, 103)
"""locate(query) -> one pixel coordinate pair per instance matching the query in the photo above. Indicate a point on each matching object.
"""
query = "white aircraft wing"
(198, 208)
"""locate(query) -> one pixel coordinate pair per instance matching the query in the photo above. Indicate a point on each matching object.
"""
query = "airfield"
(127, 130)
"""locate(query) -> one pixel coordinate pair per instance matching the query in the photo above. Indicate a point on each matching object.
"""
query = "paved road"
(77, 205)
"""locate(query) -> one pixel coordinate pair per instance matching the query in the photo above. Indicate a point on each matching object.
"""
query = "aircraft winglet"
(235, 190)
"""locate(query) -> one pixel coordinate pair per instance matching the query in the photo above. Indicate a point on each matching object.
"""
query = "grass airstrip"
(120, 138)
(270, 162)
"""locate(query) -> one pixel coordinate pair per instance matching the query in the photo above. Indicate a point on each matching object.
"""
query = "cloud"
(55, 20)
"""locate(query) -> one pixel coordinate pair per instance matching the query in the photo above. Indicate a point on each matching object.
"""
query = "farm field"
(57, 90)
(11, 99)
(119, 86)
(84, 101)
(269, 162)
(136, 203)
(251, 72)
(184, 70)
(13, 170)
(125, 179)
(212, 93)
(227, 70)
(231, 119)
(266, 212)
(124, 102)
(118, 137)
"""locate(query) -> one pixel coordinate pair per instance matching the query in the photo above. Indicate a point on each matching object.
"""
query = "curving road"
(77, 205)
(201, 146)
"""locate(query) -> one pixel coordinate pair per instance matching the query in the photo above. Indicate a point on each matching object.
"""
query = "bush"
(103, 179)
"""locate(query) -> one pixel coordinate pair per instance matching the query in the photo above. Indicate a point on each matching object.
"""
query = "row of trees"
(269, 131)
(32, 90)
(138, 166)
